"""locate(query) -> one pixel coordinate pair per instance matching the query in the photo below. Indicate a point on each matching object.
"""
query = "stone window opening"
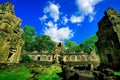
(10, 55)
(39, 58)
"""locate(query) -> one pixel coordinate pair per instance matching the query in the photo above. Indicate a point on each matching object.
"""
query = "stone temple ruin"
(108, 34)
(59, 55)
(10, 35)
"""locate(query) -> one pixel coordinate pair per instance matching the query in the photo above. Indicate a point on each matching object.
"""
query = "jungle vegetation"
(33, 42)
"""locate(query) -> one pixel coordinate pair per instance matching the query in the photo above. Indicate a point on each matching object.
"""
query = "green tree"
(26, 59)
(90, 42)
(87, 45)
(72, 46)
(44, 43)
(85, 48)
(29, 37)
(34, 42)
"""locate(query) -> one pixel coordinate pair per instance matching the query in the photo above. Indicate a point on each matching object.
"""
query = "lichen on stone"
(10, 34)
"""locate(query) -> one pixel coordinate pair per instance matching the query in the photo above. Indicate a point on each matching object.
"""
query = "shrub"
(26, 59)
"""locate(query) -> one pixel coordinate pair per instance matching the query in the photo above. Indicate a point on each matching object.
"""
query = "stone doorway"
(38, 58)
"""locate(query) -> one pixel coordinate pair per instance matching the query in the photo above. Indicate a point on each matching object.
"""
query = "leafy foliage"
(87, 45)
(26, 59)
(72, 46)
(29, 36)
(44, 43)
(117, 73)
(90, 42)
(34, 42)
(50, 73)
(84, 48)
(29, 33)
(22, 73)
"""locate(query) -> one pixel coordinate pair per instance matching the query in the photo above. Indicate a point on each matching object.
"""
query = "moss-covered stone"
(108, 34)
(10, 35)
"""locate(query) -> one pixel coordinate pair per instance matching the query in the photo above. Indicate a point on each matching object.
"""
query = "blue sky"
(63, 19)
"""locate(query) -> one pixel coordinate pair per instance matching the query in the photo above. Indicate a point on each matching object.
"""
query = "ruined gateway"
(109, 37)
(10, 34)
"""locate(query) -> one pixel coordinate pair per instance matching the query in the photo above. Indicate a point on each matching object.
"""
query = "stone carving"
(10, 35)
(109, 37)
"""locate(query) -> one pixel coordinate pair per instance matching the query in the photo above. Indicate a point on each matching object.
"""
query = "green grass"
(117, 73)
(50, 73)
(49, 76)
(22, 73)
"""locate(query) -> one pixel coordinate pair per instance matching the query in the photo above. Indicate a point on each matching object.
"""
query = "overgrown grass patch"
(51, 73)
(21, 73)
(24, 73)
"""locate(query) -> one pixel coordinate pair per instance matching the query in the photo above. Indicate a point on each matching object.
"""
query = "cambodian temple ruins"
(10, 35)
(109, 37)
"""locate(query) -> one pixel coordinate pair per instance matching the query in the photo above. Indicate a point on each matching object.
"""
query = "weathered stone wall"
(10, 35)
(42, 57)
(108, 43)
(60, 56)
(81, 58)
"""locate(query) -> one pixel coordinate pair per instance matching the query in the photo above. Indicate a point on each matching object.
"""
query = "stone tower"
(10, 35)
(59, 51)
(108, 43)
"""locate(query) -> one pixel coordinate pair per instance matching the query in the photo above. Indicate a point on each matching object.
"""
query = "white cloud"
(91, 18)
(50, 24)
(52, 10)
(51, 27)
(58, 35)
(76, 19)
(43, 18)
(65, 20)
(86, 7)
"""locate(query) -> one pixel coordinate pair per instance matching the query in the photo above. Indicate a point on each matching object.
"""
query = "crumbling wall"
(108, 43)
